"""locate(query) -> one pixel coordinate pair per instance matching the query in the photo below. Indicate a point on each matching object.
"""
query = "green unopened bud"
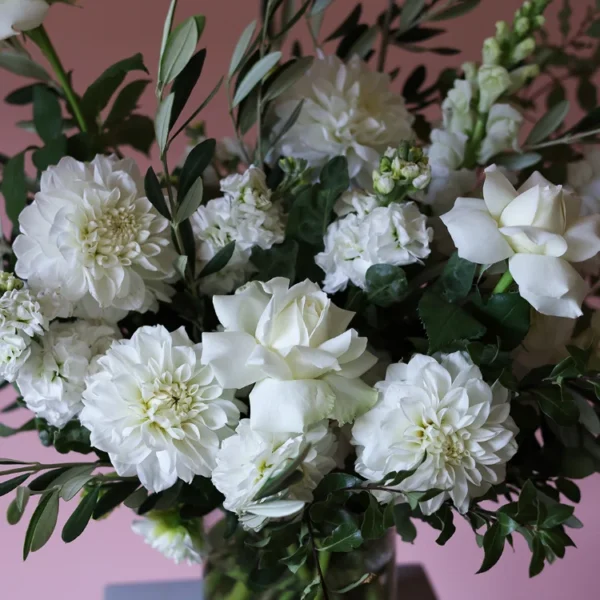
(522, 26)
(539, 6)
(525, 9)
(539, 21)
(523, 49)
(403, 150)
(470, 71)
(519, 77)
(493, 81)
(385, 164)
(9, 282)
(491, 52)
(383, 183)
(502, 31)
(401, 170)
(293, 166)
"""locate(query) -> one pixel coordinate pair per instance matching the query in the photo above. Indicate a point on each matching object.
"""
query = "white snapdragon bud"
(519, 77)
(491, 52)
(523, 49)
(502, 131)
(383, 184)
(493, 81)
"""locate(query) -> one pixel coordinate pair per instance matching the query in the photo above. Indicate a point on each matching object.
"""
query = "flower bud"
(383, 184)
(519, 77)
(522, 25)
(470, 71)
(539, 21)
(523, 49)
(502, 31)
(493, 81)
(491, 52)
(401, 170)
(9, 282)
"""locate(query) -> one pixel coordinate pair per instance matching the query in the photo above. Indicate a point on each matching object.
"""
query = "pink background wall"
(89, 40)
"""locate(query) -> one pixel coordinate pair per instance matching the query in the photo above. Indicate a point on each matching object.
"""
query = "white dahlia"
(92, 235)
(295, 345)
(440, 417)
(166, 532)
(52, 379)
(158, 412)
(250, 458)
(21, 15)
(349, 110)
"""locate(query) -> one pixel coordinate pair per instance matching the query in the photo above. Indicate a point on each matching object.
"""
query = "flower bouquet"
(361, 312)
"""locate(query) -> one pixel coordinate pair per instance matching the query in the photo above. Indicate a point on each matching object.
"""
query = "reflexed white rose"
(502, 132)
(438, 416)
(355, 201)
(295, 345)
(156, 409)
(349, 110)
(21, 318)
(457, 110)
(493, 81)
(584, 177)
(177, 540)
(21, 15)
(52, 379)
(250, 458)
(538, 229)
(91, 235)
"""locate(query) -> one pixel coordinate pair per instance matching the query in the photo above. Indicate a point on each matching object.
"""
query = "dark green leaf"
(372, 526)
(126, 102)
(364, 579)
(113, 496)
(456, 10)
(568, 489)
(51, 153)
(81, 516)
(557, 405)
(404, 526)
(446, 323)
(6, 431)
(493, 546)
(594, 29)
(446, 522)
(195, 164)
(17, 507)
(136, 131)
(335, 482)
(528, 503)
(219, 260)
(185, 83)
(98, 95)
(42, 524)
(364, 43)
(47, 114)
(386, 284)
(564, 18)
(46, 480)
(587, 96)
(411, 9)
(557, 514)
(536, 566)
(180, 48)
(286, 76)
(191, 201)
(278, 261)
(415, 498)
(548, 124)
(21, 64)
(12, 484)
(344, 538)
(457, 279)
(14, 187)
(155, 193)
(349, 24)
(72, 438)
(296, 560)
(518, 162)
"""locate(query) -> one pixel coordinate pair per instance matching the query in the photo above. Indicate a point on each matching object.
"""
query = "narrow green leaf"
(456, 10)
(410, 11)
(167, 28)
(364, 43)
(195, 164)
(42, 524)
(185, 83)
(6, 487)
(287, 76)
(241, 47)
(191, 202)
(180, 48)
(17, 507)
(6, 431)
(560, 407)
(255, 75)
(344, 538)
(181, 265)
(155, 193)
(46, 480)
(404, 526)
(493, 546)
(219, 261)
(163, 121)
(47, 114)
(73, 481)
(113, 496)
(319, 6)
(14, 187)
(81, 516)
(548, 124)
(518, 162)
(21, 64)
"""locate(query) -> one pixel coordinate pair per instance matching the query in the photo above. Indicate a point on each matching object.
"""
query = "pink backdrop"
(89, 40)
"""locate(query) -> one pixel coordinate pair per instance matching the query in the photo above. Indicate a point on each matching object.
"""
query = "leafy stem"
(40, 37)
(36, 467)
(324, 593)
(385, 36)
(504, 283)
(568, 139)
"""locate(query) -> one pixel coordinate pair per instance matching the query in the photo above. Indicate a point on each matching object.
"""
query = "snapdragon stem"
(39, 37)
(504, 283)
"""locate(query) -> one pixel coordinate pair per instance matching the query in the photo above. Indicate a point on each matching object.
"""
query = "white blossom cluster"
(246, 215)
(396, 234)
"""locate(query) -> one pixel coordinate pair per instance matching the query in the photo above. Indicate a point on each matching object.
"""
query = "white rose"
(295, 345)
(349, 110)
(21, 15)
(459, 116)
(438, 416)
(538, 229)
(502, 132)
(584, 177)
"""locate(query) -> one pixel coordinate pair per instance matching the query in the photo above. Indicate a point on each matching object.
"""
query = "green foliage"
(386, 284)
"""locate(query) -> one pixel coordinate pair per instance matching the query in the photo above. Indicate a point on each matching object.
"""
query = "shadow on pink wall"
(90, 39)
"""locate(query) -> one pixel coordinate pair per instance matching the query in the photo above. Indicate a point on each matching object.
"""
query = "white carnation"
(21, 15)
(502, 132)
(158, 412)
(295, 345)
(395, 235)
(440, 417)
(92, 235)
(250, 458)
(584, 177)
(166, 532)
(349, 110)
(355, 201)
(249, 189)
(52, 379)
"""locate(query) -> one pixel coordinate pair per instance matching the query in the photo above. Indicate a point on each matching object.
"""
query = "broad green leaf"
(335, 482)
(507, 523)
(372, 527)
(518, 162)
(410, 11)
(445, 323)
(255, 75)
(81, 516)
(587, 95)
(548, 124)
(594, 29)
(113, 496)
(155, 194)
(195, 164)
(136, 498)
(445, 522)
(73, 481)
(17, 507)
(219, 261)
(560, 407)
(404, 526)
(241, 47)
(344, 538)
(47, 114)
(22, 95)
(536, 566)
(167, 28)
(98, 95)
(21, 64)
(277, 261)
(457, 279)
(456, 10)
(51, 153)
(136, 131)
(6, 431)
(415, 498)
(287, 76)
(386, 284)
(163, 121)
(587, 414)
(6, 487)
(14, 187)
(296, 561)
(493, 546)
(568, 489)
(191, 202)
(180, 48)
(185, 83)
(42, 524)
(557, 515)
(126, 102)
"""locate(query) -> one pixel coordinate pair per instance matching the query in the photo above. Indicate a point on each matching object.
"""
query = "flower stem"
(385, 36)
(504, 283)
(41, 39)
(474, 143)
